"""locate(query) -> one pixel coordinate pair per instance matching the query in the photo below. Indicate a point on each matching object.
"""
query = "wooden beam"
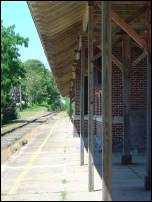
(82, 104)
(98, 3)
(83, 39)
(138, 59)
(148, 120)
(64, 78)
(115, 60)
(72, 83)
(129, 19)
(64, 64)
(106, 102)
(64, 84)
(61, 71)
(90, 99)
(129, 30)
(85, 19)
(73, 75)
(64, 92)
(64, 57)
(126, 55)
(129, 2)
(97, 56)
(64, 49)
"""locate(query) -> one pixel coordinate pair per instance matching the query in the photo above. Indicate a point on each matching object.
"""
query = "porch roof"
(59, 24)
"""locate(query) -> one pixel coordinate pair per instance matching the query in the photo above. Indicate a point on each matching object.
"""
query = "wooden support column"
(90, 99)
(82, 104)
(106, 102)
(148, 163)
(126, 54)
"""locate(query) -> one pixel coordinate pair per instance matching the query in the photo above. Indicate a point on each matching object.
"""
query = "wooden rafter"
(66, 49)
(98, 3)
(65, 77)
(61, 71)
(97, 56)
(129, 19)
(60, 24)
(85, 19)
(65, 84)
(115, 60)
(138, 59)
(129, 30)
(64, 65)
(83, 41)
(129, 2)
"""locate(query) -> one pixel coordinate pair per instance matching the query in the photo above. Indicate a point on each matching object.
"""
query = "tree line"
(23, 84)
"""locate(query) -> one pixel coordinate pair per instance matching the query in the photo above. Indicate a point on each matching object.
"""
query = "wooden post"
(106, 102)
(82, 104)
(126, 54)
(148, 163)
(90, 99)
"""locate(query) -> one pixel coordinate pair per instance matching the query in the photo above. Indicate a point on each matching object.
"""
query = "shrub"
(9, 114)
(24, 142)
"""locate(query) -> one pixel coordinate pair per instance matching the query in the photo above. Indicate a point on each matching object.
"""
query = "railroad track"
(16, 134)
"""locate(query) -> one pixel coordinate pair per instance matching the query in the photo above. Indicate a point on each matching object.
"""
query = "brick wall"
(138, 88)
(137, 103)
(117, 108)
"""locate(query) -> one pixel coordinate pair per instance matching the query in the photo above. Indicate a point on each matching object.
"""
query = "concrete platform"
(48, 169)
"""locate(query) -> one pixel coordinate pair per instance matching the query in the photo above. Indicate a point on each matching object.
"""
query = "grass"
(63, 196)
(63, 193)
(23, 142)
(23, 115)
(32, 111)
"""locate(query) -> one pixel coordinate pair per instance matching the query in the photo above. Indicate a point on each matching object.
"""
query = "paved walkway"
(48, 169)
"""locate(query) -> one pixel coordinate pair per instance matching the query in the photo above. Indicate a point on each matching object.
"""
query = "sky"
(17, 13)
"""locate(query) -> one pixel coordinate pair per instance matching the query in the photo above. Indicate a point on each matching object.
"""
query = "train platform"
(48, 169)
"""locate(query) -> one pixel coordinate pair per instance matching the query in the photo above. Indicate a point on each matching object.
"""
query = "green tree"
(40, 85)
(11, 67)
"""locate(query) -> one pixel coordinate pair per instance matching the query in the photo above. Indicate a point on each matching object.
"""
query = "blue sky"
(17, 13)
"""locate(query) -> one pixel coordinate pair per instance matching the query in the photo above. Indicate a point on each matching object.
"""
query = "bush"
(9, 114)
(23, 142)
